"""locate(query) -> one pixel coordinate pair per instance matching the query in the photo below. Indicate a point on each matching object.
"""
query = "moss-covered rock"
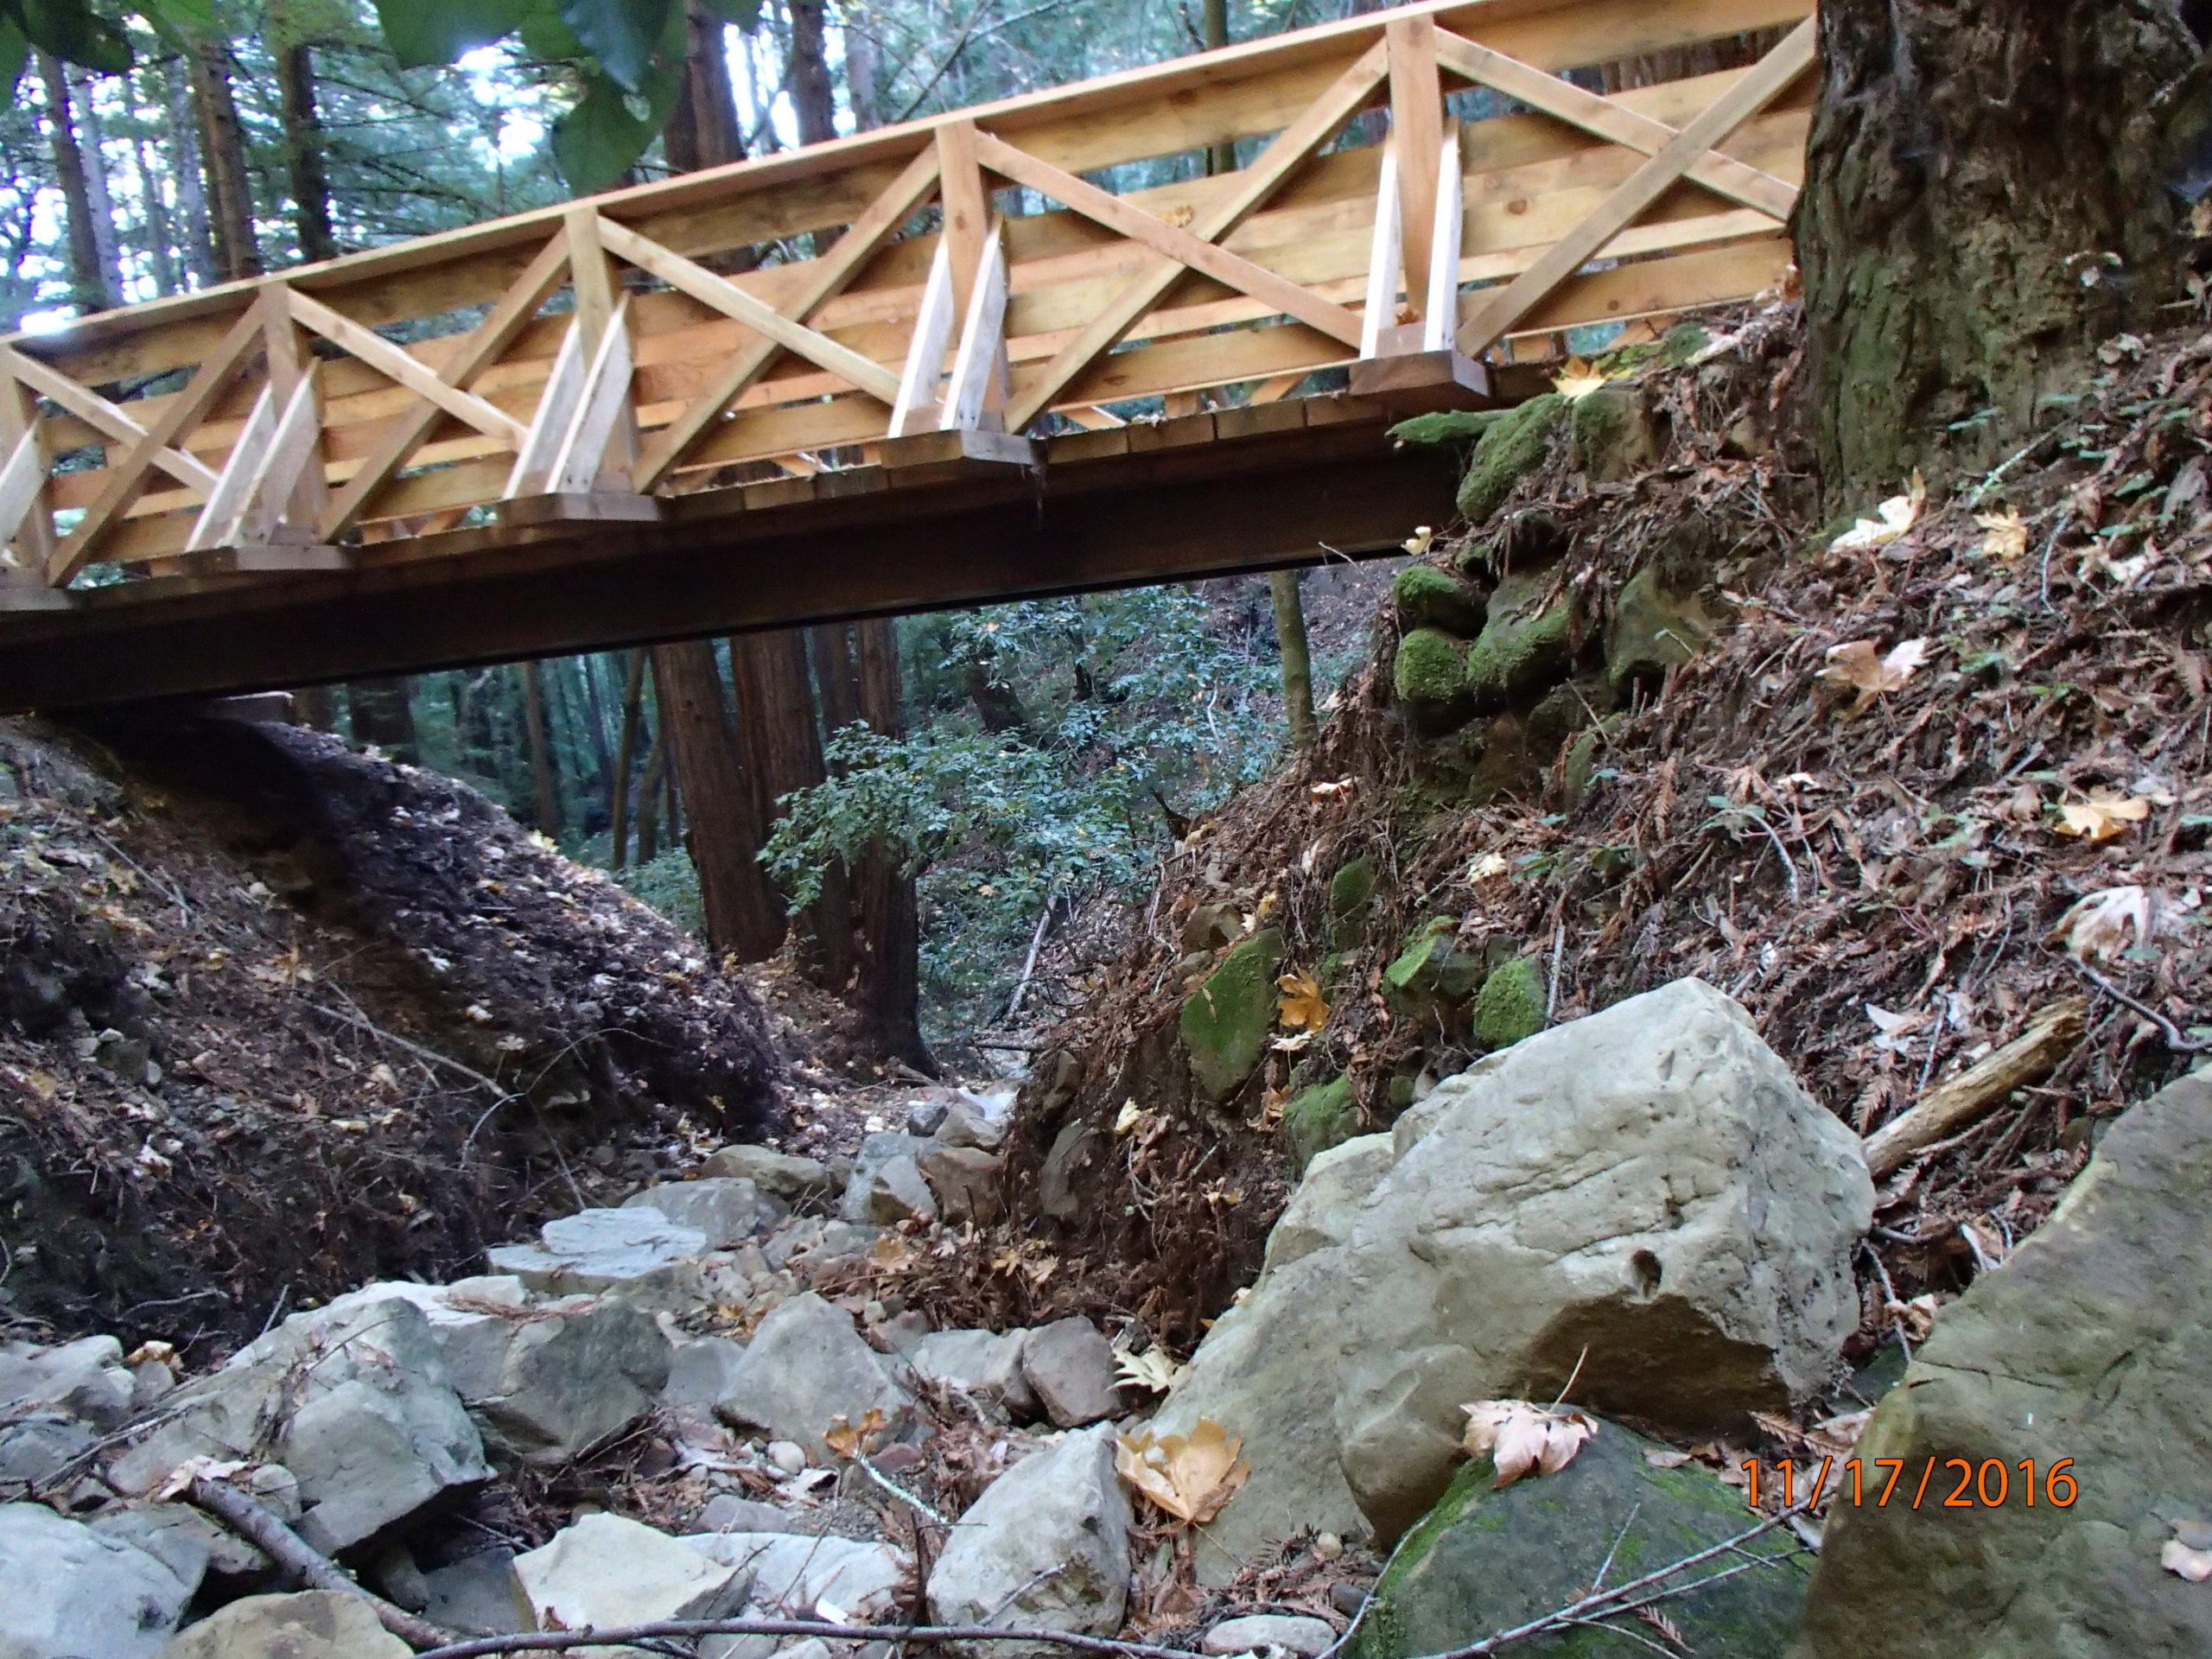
(1483, 1562)
(1526, 646)
(1319, 1118)
(1615, 436)
(1431, 971)
(1226, 1020)
(1426, 597)
(1448, 426)
(1352, 897)
(1652, 631)
(1509, 1006)
(1512, 448)
(1430, 678)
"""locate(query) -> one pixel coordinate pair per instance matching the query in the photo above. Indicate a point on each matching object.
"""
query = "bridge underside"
(1181, 499)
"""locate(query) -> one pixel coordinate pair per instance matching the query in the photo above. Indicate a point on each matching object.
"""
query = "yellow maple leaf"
(1192, 1477)
(1303, 1005)
(2007, 534)
(1578, 380)
(847, 1439)
(1156, 1370)
(2104, 815)
(1893, 519)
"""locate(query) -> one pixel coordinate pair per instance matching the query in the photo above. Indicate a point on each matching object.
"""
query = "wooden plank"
(463, 364)
(29, 532)
(22, 481)
(1439, 312)
(549, 427)
(602, 403)
(217, 526)
(1379, 311)
(967, 210)
(1723, 174)
(1116, 214)
(978, 362)
(124, 480)
(1318, 123)
(1417, 127)
(287, 363)
(1564, 257)
(103, 416)
(915, 409)
(827, 276)
(274, 498)
(382, 355)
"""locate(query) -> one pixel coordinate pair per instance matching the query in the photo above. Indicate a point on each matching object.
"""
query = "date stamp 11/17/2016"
(1941, 1483)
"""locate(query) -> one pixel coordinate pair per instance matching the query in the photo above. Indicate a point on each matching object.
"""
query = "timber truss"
(1425, 199)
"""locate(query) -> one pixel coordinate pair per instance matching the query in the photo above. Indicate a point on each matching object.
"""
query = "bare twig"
(295, 1556)
(2167, 1029)
(1951, 1105)
(900, 1493)
(428, 1056)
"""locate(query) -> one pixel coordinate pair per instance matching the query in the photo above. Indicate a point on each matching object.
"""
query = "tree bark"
(887, 988)
(702, 129)
(222, 145)
(1987, 198)
(806, 74)
(161, 233)
(91, 281)
(626, 751)
(383, 714)
(861, 90)
(303, 141)
(188, 168)
(94, 139)
(545, 785)
(1297, 660)
(744, 916)
(1220, 158)
(651, 787)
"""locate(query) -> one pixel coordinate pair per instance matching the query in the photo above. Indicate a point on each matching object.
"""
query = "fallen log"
(1952, 1105)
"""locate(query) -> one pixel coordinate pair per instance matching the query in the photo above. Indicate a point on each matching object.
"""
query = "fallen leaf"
(1578, 380)
(2178, 1559)
(2105, 816)
(1520, 1436)
(2102, 926)
(1192, 1477)
(1893, 519)
(1130, 1118)
(1488, 867)
(847, 1439)
(1303, 1005)
(1323, 791)
(181, 1477)
(1417, 544)
(1665, 1457)
(2007, 537)
(1155, 1369)
(1857, 667)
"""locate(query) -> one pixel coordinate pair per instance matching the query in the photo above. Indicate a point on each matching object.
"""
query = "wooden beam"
(1765, 82)
(825, 277)
(517, 307)
(208, 383)
(601, 402)
(1316, 124)
(1379, 313)
(290, 364)
(388, 360)
(22, 480)
(967, 208)
(217, 526)
(556, 408)
(981, 360)
(29, 531)
(1417, 124)
(919, 383)
(273, 500)
(1441, 286)
(111, 421)
(1230, 270)
(1723, 174)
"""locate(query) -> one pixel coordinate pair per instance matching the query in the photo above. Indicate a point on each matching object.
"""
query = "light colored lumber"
(1231, 270)
(22, 480)
(966, 209)
(31, 537)
(1417, 126)
(1440, 305)
(1952, 1105)
(217, 524)
(1554, 96)
(467, 359)
(826, 277)
(1317, 123)
(601, 405)
(208, 383)
(275, 497)
(1379, 312)
(287, 363)
(103, 416)
(1568, 255)
(556, 408)
(915, 408)
(382, 355)
(982, 356)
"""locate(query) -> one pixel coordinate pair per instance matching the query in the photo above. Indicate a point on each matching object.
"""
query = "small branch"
(428, 1056)
(294, 1556)
(900, 1492)
(2175, 1041)
(1949, 1107)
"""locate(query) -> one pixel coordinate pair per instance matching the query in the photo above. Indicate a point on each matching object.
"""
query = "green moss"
(1351, 897)
(1226, 1020)
(1652, 631)
(1509, 1006)
(1318, 1118)
(1426, 597)
(1448, 426)
(1430, 678)
(1514, 447)
(1526, 646)
(1613, 438)
(1431, 971)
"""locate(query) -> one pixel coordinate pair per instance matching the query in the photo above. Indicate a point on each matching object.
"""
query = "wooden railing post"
(967, 211)
(33, 536)
(592, 273)
(285, 346)
(1417, 132)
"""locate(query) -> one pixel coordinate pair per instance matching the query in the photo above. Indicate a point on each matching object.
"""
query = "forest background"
(906, 808)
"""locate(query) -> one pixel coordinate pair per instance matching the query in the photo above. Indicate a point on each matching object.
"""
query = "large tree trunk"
(744, 916)
(222, 145)
(303, 141)
(814, 95)
(187, 168)
(886, 987)
(702, 129)
(1987, 198)
(545, 787)
(383, 714)
(91, 278)
(625, 753)
(1297, 659)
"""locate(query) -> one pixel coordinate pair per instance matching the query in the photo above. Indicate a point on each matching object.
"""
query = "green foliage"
(1509, 1006)
(1448, 426)
(1319, 1118)
(670, 885)
(1225, 1022)
(1125, 701)
(1526, 644)
(1426, 597)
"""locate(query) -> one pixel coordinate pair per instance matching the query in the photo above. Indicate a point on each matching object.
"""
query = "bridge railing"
(970, 274)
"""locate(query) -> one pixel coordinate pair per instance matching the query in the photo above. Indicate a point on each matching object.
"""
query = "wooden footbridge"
(919, 366)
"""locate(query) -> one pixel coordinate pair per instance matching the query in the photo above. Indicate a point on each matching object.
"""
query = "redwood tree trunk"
(745, 918)
(887, 986)
(702, 129)
(222, 145)
(90, 276)
(303, 142)
(1987, 198)
(814, 95)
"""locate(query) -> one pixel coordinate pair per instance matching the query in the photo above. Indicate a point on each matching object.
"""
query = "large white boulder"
(805, 1369)
(608, 1570)
(313, 1624)
(69, 1593)
(639, 1252)
(1645, 1193)
(727, 1209)
(1047, 1545)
